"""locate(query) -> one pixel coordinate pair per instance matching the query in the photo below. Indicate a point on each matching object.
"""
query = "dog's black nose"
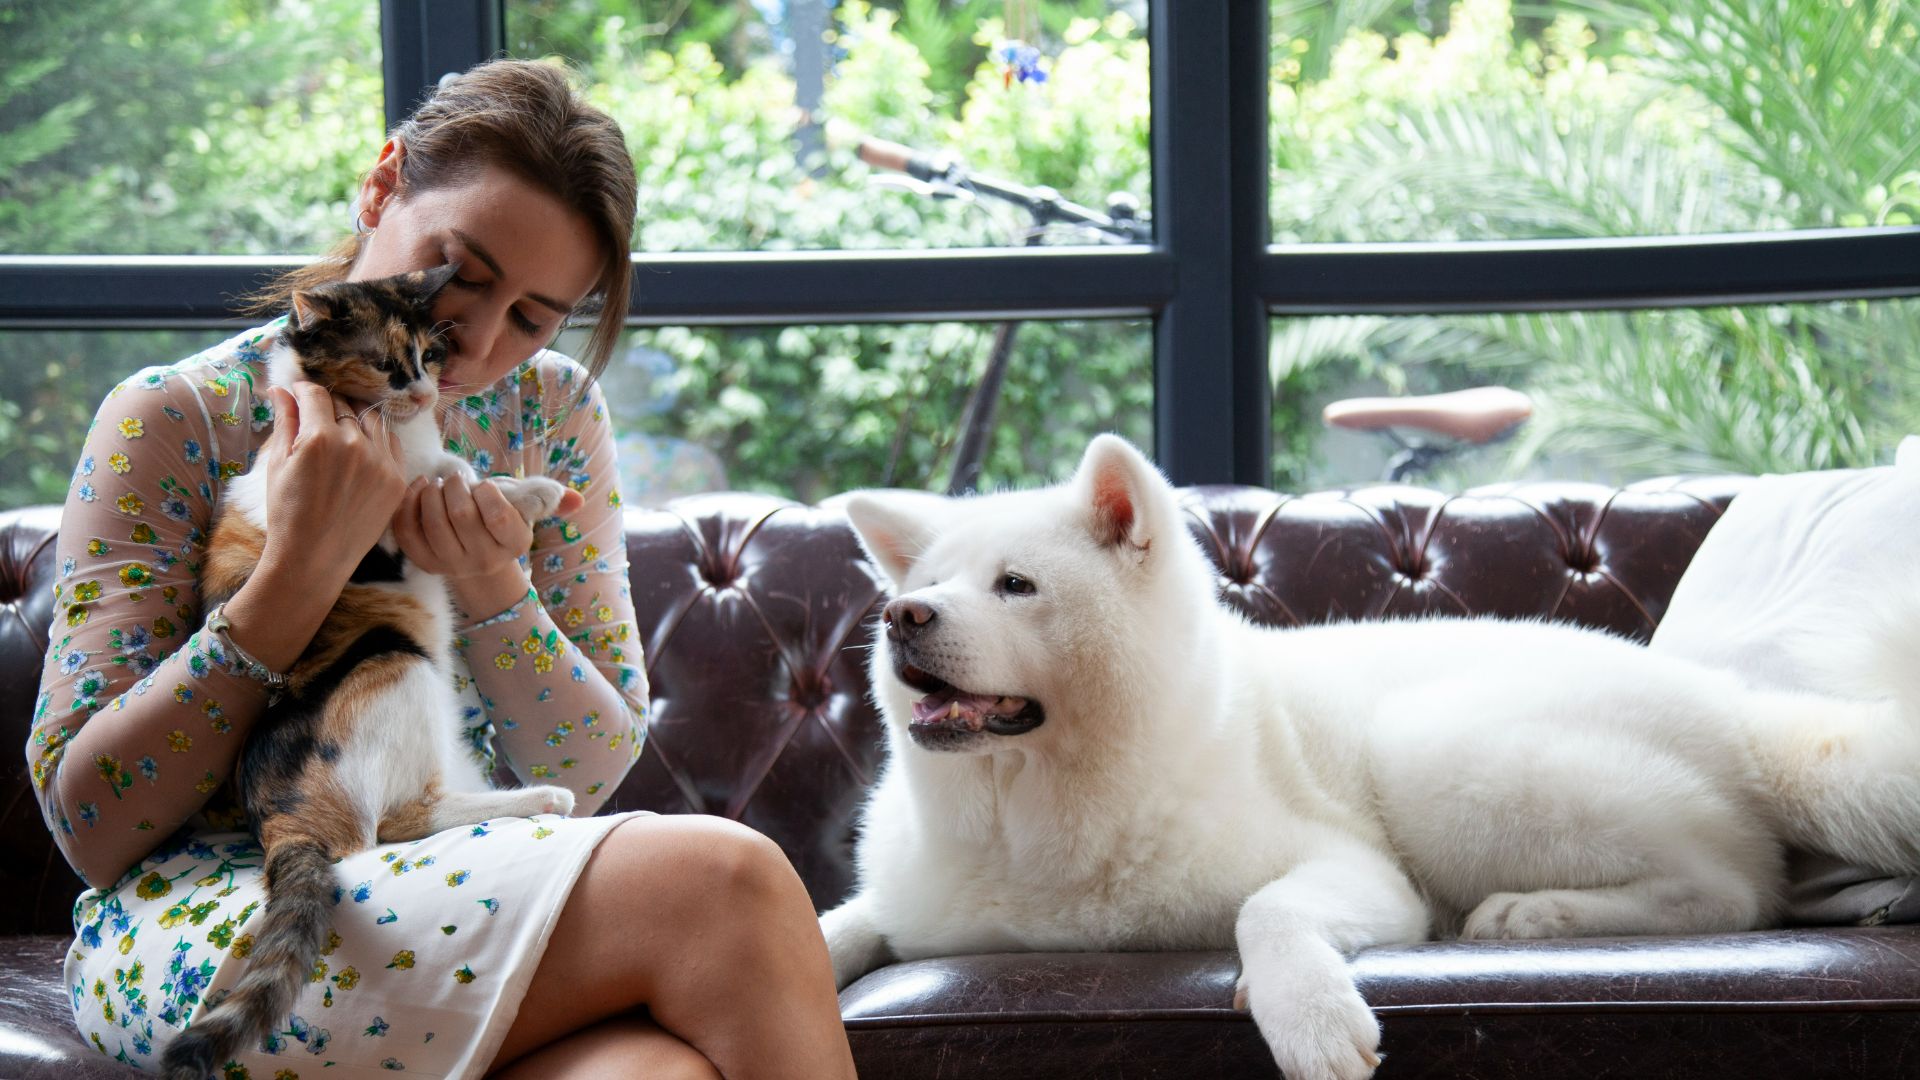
(906, 617)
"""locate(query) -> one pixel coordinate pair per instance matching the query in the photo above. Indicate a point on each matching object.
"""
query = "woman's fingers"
(503, 522)
(406, 524)
(437, 525)
(313, 402)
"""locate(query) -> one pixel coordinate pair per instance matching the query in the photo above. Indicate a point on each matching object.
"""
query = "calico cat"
(365, 744)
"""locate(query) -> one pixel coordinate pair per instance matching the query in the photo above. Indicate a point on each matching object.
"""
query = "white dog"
(1087, 752)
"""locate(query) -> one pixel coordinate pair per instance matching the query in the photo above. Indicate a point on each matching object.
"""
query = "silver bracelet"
(218, 625)
(508, 615)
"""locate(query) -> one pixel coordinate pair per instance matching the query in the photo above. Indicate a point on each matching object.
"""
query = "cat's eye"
(435, 354)
(1015, 585)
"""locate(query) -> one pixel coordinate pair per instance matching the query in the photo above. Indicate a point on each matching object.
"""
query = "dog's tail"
(293, 930)
(1845, 764)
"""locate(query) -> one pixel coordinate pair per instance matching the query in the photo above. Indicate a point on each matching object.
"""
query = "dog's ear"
(894, 527)
(1128, 498)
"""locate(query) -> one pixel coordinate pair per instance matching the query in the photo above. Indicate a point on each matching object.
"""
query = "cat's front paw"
(554, 799)
(536, 497)
(1317, 1029)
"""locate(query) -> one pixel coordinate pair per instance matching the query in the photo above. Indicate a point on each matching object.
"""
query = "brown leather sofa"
(754, 610)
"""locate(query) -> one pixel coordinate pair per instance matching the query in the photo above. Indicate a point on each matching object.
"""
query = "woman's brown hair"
(523, 116)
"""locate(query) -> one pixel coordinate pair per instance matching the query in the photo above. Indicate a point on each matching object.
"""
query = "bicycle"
(942, 175)
(1481, 416)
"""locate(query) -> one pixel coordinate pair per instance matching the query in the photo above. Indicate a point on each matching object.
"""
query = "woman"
(628, 945)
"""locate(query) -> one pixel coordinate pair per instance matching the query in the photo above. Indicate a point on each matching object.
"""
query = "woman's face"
(525, 260)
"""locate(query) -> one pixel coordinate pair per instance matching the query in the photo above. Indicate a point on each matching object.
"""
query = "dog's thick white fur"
(1195, 781)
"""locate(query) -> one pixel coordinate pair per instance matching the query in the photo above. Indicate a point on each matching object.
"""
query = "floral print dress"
(433, 941)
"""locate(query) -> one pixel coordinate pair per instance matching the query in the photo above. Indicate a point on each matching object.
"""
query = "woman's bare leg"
(704, 923)
(618, 1048)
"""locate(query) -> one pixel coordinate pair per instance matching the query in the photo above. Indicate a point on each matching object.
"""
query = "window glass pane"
(1496, 119)
(192, 126)
(1616, 396)
(52, 381)
(743, 117)
(800, 411)
(810, 411)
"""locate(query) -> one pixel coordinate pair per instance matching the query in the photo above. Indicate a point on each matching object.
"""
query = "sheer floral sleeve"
(560, 675)
(125, 665)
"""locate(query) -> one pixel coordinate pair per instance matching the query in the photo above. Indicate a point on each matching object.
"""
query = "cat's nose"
(420, 396)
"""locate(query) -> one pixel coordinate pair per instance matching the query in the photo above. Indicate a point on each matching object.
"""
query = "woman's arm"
(140, 717)
(561, 675)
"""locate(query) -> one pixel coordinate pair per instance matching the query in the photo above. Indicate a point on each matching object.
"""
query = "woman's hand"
(336, 481)
(470, 535)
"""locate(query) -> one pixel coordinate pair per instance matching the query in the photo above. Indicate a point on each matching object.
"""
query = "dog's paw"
(1317, 1029)
(853, 945)
(1521, 916)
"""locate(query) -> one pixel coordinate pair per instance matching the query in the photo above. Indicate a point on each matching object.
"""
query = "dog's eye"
(1016, 585)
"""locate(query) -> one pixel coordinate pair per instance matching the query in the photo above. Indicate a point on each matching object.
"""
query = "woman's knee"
(705, 862)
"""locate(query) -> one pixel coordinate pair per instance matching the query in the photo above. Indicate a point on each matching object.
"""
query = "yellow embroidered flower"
(87, 592)
(130, 503)
(143, 534)
(603, 613)
(589, 553)
(153, 887)
(174, 916)
(242, 946)
(179, 741)
(126, 945)
(207, 783)
(218, 386)
(347, 979)
(333, 939)
(540, 770)
(543, 664)
(119, 463)
(98, 547)
(231, 469)
(76, 614)
(132, 427)
(504, 661)
(403, 960)
(162, 628)
(182, 693)
(575, 616)
(319, 971)
(613, 498)
(463, 974)
(134, 575)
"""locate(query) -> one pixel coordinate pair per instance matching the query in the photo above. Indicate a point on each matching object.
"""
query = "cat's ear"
(311, 307)
(428, 283)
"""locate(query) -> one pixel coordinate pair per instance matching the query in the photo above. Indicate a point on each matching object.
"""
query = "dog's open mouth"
(947, 708)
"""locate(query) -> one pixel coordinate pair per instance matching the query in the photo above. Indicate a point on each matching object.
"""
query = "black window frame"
(1211, 281)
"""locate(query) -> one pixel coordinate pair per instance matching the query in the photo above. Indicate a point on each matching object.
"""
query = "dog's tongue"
(952, 708)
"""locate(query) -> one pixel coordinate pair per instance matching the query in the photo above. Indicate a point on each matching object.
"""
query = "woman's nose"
(477, 325)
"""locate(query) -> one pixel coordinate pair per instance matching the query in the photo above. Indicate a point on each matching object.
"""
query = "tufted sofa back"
(755, 612)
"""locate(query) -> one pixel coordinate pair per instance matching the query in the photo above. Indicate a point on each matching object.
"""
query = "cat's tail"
(1845, 762)
(293, 930)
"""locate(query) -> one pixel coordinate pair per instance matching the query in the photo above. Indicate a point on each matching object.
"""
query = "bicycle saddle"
(1474, 416)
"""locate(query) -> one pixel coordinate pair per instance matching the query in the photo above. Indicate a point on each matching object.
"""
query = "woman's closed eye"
(525, 325)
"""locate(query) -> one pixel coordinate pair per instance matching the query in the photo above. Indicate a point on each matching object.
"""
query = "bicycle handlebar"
(1044, 203)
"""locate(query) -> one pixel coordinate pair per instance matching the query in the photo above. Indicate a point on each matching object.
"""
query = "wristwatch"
(218, 625)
